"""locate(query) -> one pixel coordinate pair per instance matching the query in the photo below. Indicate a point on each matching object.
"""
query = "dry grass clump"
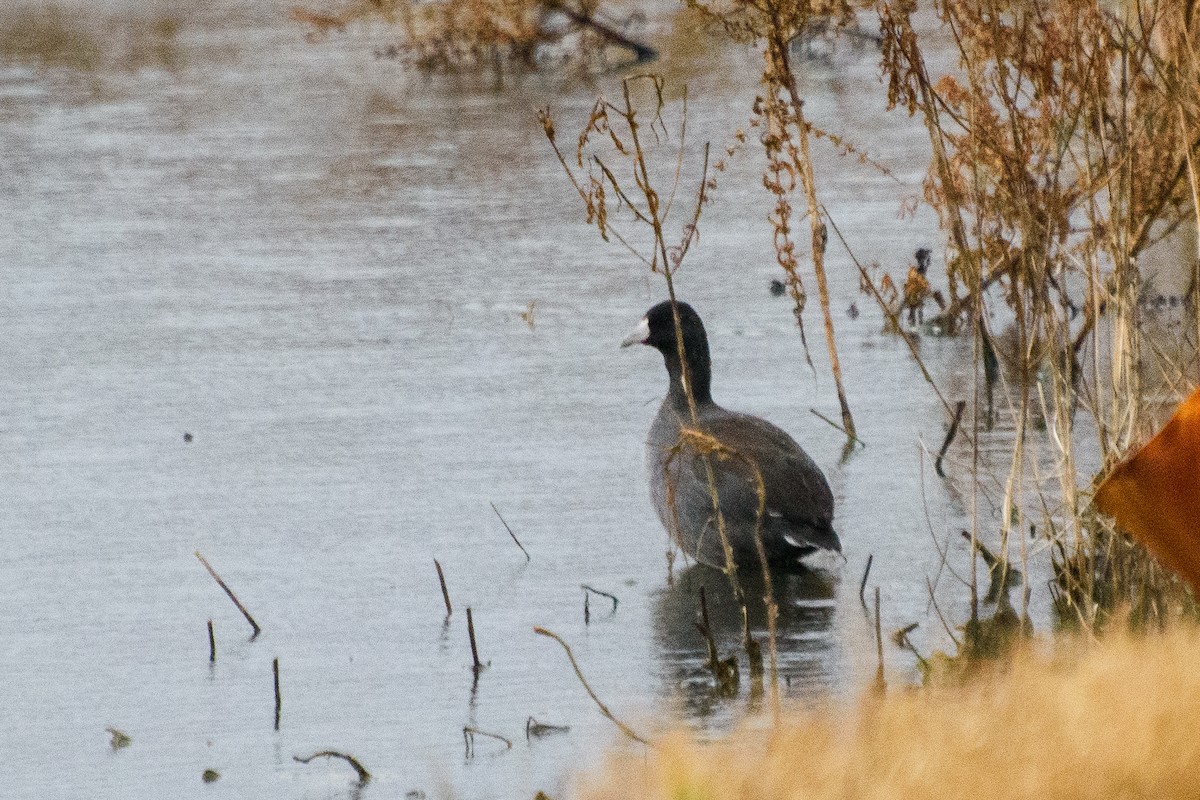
(1115, 719)
(455, 36)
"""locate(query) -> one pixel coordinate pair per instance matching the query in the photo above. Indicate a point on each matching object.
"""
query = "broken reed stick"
(625, 729)
(987, 555)
(510, 531)
(880, 683)
(706, 631)
(232, 596)
(950, 434)
(470, 732)
(643, 53)
(363, 775)
(278, 698)
(725, 673)
(612, 597)
(445, 592)
(587, 612)
(535, 728)
(476, 665)
(753, 653)
(862, 586)
(901, 639)
(852, 437)
(212, 644)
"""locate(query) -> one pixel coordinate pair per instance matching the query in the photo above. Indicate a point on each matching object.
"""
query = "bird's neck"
(697, 375)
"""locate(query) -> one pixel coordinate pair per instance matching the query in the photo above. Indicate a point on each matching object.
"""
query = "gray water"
(315, 264)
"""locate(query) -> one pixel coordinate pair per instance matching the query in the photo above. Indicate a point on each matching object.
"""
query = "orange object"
(1155, 494)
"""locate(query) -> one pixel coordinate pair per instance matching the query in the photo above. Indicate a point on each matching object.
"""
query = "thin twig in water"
(612, 597)
(510, 532)
(959, 407)
(477, 665)
(625, 729)
(445, 592)
(880, 683)
(942, 619)
(891, 315)
(642, 52)
(470, 732)
(862, 587)
(212, 644)
(706, 632)
(725, 673)
(900, 637)
(535, 728)
(232, 596)
(278, 698)
(363, 775)
(834, 425)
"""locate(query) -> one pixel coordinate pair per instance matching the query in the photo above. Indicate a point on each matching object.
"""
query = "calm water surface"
(316, 265)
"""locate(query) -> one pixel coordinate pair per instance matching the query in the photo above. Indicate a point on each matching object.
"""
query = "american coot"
(798, 510)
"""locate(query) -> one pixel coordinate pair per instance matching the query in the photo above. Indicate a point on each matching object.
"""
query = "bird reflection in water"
(806, 602)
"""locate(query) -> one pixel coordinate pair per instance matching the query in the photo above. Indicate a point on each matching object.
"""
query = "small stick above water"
(862, 587)
(470, 732)
(445, 592)
(477, 665)
(535, 728)
(612, 597)
(510, 531)
(278, 699)
(706, 632)
(232, 596)
(625, 729)
(880, 682)
(363, 775)
(212, 644)
(828, 421)
(950, 434)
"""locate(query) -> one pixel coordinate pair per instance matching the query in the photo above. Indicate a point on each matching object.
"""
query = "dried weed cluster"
(452, 36)
(1064, 138)
(1063, 146)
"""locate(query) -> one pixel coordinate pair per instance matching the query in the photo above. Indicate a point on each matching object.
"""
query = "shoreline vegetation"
(1079, 719)
(1065, 139)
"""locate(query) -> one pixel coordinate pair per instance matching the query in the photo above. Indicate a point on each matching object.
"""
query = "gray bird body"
(766, 485)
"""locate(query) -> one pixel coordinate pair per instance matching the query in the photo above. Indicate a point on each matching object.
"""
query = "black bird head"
(657, 329)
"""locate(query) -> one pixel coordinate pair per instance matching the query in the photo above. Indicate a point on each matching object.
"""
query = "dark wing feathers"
(794, 486)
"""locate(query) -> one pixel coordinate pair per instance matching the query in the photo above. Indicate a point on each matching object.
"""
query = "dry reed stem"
(476, 665)
(445, 591)
(470, 732)
(363, 776)
(278, 697)
(779, 70)
(862, 585)
(959, 407)
(510, 532)
(625, 729)
(232, 596)
(588, 589)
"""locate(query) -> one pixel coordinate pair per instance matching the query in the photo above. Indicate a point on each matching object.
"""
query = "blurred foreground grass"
(1119, 718)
